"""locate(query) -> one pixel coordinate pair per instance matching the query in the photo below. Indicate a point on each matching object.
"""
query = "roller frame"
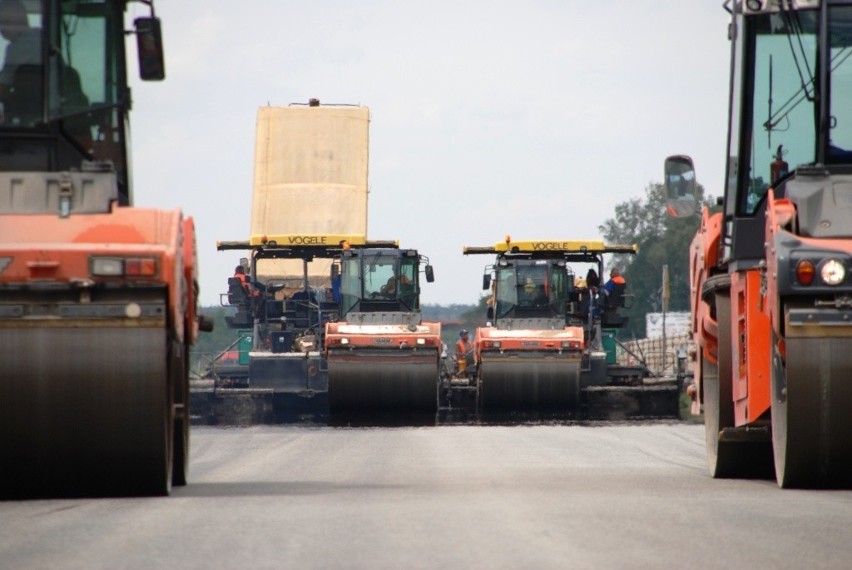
(731, 452)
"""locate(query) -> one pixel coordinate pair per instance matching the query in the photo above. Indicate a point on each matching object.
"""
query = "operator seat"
(239, 298)
(237, 294)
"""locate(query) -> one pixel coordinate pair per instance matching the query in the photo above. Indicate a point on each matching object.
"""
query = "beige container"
(310, 177)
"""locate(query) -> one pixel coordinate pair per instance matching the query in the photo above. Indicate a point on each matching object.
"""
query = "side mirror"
(205, 324)
(489, 313)
(335, 271)
(486, 281)
(149, 45)
(430, 274)
(681, 190)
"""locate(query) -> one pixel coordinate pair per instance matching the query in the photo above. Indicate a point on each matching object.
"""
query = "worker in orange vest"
(615, 278)
(389, 288)
(615, 281)
(464, 351)
(253, 289)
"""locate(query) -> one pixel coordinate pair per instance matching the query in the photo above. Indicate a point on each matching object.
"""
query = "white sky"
(532, 119)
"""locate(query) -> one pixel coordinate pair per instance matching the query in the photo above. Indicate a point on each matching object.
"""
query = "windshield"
(21, 93)
(89, 79)
(840, 122)
(530, 285)
(73, 92)
(380, 277)
(783, 101)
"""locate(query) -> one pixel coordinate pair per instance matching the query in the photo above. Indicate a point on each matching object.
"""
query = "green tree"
(662, 240)
(456, 317)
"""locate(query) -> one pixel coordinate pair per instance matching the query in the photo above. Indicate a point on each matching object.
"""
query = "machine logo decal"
(306, 240)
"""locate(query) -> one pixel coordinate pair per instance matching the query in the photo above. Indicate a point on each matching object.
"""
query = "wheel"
(725, 458)
(811, 424)
(180, 462)
(718, 398)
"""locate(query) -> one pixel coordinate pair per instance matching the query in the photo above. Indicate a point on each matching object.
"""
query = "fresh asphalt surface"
(532, 496)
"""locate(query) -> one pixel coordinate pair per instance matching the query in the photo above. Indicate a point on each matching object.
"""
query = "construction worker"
(464, 351)
(615, 278)
(253, 289)
(613, 292)
(527, 293)
(389, 288)
(592, 280)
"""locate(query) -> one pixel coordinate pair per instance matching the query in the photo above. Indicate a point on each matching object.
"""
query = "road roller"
(771, 270)
(382, 358)
(97, 298)
(541, 349)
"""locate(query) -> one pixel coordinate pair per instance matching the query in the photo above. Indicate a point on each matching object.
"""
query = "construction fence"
(659, 353)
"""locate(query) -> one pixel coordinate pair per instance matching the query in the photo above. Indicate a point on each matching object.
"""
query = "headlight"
(832, 272)
(107, 266)
(123, 266)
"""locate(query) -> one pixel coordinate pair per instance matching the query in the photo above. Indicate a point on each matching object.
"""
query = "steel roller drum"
(84, 411)
(811, 418)
(392, 381)
(529, 383)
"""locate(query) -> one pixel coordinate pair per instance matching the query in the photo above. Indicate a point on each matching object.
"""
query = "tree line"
(662, 240)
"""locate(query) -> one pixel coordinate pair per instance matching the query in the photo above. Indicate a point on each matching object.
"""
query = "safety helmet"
(463, 332)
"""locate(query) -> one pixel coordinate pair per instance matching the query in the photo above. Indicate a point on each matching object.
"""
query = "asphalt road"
(545, 496)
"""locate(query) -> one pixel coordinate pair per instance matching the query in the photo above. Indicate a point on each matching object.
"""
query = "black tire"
(180, 459)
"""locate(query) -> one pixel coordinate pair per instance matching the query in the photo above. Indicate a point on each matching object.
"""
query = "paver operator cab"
(770, 273)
